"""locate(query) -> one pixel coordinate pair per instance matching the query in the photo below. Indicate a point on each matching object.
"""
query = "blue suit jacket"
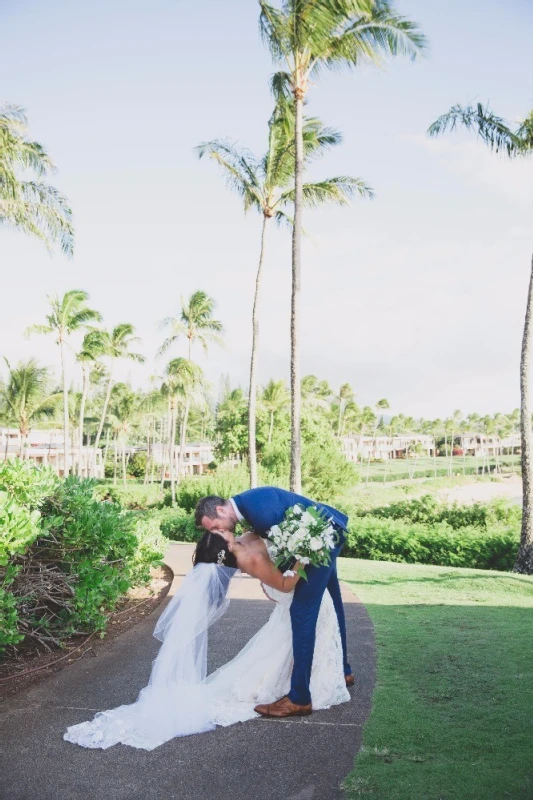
(266, 506)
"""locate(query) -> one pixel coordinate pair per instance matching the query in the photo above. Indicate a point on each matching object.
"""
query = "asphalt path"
(295, 759)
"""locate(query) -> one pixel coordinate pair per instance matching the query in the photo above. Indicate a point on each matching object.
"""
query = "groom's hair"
(208, 550)
(207, 507)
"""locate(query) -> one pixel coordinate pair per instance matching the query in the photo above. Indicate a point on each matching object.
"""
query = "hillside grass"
(451, 718)
(400, 468)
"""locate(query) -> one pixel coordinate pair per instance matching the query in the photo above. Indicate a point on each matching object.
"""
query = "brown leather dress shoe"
(284, 708)
(350, 680)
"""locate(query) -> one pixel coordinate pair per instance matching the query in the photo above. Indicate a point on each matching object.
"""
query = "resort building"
(196, 458)
(382, 448)
(47, 447)
(481, 445)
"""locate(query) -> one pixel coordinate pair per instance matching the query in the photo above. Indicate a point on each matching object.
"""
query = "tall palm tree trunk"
(172, 441)
(183, 434)
(124, 461)
(115, 459)
(524, 559)
(165, 449)
(102, 419)
(252, 395)
(66, 446)
(296, 400)
(271, 429)
(84, 394)
(147, 465)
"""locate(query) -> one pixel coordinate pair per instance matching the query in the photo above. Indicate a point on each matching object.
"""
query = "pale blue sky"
(417, 296)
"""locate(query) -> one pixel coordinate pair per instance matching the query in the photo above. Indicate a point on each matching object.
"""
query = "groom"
(262, 508)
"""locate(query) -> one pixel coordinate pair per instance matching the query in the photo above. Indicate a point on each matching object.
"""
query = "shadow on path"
(297, 759)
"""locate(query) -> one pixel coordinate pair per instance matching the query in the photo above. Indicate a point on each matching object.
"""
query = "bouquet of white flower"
(304, 535)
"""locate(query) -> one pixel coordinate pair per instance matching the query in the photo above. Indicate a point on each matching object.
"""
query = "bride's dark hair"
(209, 548)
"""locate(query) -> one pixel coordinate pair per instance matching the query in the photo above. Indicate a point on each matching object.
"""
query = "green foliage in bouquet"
(304, 535)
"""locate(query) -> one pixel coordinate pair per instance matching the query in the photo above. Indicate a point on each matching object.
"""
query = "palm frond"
(335, 190)
(491, 129)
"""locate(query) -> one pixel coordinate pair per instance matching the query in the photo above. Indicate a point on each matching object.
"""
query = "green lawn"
(398, 468)
(454, 698)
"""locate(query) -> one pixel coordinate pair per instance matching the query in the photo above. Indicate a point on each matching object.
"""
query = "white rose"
(292, 543)
(304, 560)
(297, 510)
(315, 544)
(275, 530)
(307, 518)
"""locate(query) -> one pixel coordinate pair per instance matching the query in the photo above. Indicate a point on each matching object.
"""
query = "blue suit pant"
(304, 614)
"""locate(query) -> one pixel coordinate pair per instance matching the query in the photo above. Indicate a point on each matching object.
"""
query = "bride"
(180, 699)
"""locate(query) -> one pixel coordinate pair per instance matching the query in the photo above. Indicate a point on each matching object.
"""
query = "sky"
(417, 296)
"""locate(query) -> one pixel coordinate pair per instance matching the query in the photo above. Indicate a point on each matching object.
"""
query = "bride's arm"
(261, 567)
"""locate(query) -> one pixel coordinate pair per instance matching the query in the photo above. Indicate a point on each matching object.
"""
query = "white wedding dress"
(181, 700)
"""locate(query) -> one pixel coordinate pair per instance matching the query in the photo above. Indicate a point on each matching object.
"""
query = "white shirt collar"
(237, 512)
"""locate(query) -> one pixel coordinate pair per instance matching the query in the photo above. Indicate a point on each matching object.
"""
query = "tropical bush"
(65, 556)
(427, 509)
(133, 496)
(176, 524)
(224, 482)
(437, 543)
(137, 464)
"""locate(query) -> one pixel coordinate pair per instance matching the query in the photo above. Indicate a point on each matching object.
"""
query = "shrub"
(137, 464)
(441, 544)
(427, 509)
(176, 524)
(135, 496)
(65, 563)
(224, 482)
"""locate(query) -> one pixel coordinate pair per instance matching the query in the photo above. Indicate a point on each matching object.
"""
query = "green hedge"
(225, 482)
(429, 510)
(65, 557)
(426, 531)
(439, 543)
(135, 496)
(176, 524)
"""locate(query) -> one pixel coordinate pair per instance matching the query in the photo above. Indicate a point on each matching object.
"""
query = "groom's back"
(266, 506)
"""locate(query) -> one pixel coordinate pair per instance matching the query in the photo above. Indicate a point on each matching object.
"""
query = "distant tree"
(266, 185)
(68, 315)
(25, 398)
(305, 38)
(499, 136)
(31, 206)
(195, 322)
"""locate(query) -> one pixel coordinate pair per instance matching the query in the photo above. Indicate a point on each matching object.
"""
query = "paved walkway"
(296, 759)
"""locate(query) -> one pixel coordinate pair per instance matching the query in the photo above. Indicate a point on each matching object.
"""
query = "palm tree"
(381, 405)
(195, 322)
(31, 206)
(25, 398)
(498, 135)
(184, 378)
(92, 348)
(455, 426)
(266, 185)
(123, 409)
(274, 399)
(69, 314)
(345, 396)
(116, 344)
(365, 418)
(306, 36)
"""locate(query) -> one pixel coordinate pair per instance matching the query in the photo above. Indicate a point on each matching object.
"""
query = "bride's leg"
(335, 591)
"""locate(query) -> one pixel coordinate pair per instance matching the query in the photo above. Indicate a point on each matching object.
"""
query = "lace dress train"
(260, 673)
